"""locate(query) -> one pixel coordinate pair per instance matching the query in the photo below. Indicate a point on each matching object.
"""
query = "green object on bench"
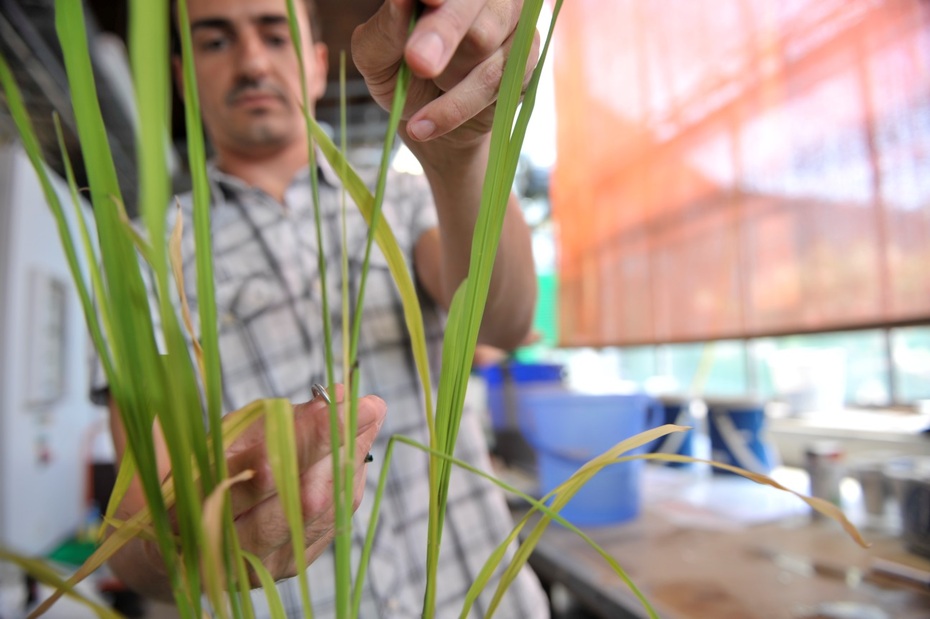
(73, 551)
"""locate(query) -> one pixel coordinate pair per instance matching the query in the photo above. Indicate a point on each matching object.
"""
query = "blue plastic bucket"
(677, 411)
(737, 436)
(503, 409)
(568, 429)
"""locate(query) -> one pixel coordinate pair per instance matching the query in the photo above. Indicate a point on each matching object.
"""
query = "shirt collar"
(232, 183)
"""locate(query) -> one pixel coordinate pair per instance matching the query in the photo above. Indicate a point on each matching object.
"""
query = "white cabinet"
(45, 415)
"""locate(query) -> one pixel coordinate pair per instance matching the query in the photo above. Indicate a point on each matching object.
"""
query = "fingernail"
(429, 47)
(421, 129)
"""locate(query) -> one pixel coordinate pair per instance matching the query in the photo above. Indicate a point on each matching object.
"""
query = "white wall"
(43, 445)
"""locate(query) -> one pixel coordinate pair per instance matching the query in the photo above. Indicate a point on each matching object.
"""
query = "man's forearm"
(456, 178)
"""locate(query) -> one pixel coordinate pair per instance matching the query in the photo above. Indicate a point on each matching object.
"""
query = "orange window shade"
(734, 168)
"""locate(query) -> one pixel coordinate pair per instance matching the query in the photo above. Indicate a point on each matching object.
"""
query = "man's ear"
(321, 58)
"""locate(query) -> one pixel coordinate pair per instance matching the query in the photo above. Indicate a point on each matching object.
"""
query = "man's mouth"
(253, 97)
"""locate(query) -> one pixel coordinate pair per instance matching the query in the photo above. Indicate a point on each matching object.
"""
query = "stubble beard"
(264, 133)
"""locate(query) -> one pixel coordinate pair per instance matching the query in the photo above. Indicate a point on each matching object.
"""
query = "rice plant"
(177, 390)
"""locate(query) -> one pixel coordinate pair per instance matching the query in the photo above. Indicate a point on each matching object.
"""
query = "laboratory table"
(696, 552)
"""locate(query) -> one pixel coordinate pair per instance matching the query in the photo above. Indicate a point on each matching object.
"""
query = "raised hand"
(456, 52)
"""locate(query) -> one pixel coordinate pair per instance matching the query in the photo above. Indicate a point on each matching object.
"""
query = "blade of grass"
(268, 585)
(106, 549)
(529, 96)
(282, 458)
(148, 48)
(372, 528)
(824, 507)
(90, 255)
(235, 424)
(462, 334)
(397, 264)
(104, 193)
(536, 505)
(127, 470)
(563, 493)
(206, 297)
(344, 534)
(132, 329)
(346, 494)
(185, 436)
(439, 468)
(41, 571)
(343, 517)
(495, 194)
(177, 269)
(181, 418)
(213, 562)
(346, 302)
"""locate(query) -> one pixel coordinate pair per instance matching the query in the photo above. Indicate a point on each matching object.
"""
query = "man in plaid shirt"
(269, 289)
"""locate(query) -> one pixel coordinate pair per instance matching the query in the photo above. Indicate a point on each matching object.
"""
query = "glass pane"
(709, 368)
(911, 352)
(638, 364)
(823, 371)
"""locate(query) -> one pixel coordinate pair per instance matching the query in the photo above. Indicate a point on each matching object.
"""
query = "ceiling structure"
(29, 43)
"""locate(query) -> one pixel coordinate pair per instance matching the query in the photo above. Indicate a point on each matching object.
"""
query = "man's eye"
(275, 40)
(213, 44)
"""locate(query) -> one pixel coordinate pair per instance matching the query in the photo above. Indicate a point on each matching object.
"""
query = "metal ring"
(319, 391)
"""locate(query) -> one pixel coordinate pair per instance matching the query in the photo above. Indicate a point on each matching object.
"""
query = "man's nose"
(254, 60)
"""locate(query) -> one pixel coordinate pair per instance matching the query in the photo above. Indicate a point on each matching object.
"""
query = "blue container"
(507, 380)
(677, 411)
(915, 514)
(568, 429)
(737, 436)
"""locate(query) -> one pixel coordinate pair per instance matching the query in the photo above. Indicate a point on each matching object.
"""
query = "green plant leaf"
(282, 458)
(137, 387)
(214, 557)
(41, 571)
(497, 556)
(824, 507)
(127, 470)
(563, 493)
(462, 333)
(397, 264)
(206, 294)
(271, 591)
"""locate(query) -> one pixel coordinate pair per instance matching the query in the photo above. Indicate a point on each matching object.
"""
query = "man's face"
(248, 75)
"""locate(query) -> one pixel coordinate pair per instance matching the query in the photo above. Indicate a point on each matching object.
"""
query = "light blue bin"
(568, 429)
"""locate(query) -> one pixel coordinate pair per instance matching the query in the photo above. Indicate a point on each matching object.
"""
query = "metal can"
(823, 461)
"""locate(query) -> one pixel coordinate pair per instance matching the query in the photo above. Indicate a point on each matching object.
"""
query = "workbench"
(696, 552)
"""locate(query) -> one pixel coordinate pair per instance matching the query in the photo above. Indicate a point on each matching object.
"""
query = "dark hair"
(316, 28)
(313, 16)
